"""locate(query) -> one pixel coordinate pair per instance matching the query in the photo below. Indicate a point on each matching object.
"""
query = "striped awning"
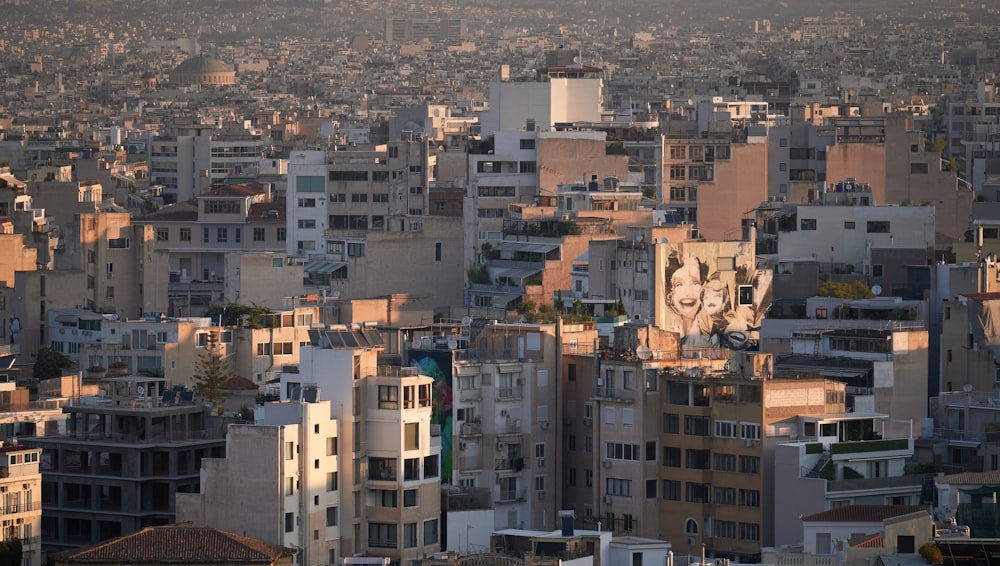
(322, 266)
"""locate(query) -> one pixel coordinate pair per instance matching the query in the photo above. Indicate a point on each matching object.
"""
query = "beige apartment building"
(892, 156)
(721, 175)
(20, 500)
(506, 424)
(109, 261)
(198, 235)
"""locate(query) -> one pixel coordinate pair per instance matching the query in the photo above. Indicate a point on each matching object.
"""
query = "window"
(331, 481)
(671, 490)
(695, 425)
(878, 226)
(697, 459)
(618, 487)
(162, 234)
(359, 197)
(437, 251)
(355, 249)
(678, 152)
(118, 244)
(527, 143)
(382, 535)
(431, 532)
(749, 464)
(527, 167)
(725, 529)
(671, 423)
(331, 516)
(725, 496)
(750, 431)
(411, 469)
(289, 522)
(281, 234)
(749, 531)
(348, 175)
(919, 168)
(619, 451)
(222, 235)
(698, 492)
(409, 535)
(409, 498)
(307, 203)
(877, 270)
(388, 397)
(431, 466)
(671, 457)
(849, 225)
(678, 172)
(222, 207)
(749, 498)
(725, 429)
(651, 380)
(307, 223)
(386, 498)
(725, 462)
(109, 291)
(807, 224)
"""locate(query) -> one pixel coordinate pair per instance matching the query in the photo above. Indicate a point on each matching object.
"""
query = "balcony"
(467, 395)
(512, 392)
(509, 464)
(611, 394)
(896, 447)
(511, 495)
(469, 429)
(470, 463)
(509, 428)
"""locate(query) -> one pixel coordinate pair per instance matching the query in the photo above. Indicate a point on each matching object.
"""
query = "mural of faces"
(715, 297)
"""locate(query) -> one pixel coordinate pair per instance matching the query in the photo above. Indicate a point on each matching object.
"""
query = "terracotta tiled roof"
(971, 478)
(237, 382)
(179, 212)
(863, 513)
(235, 190)
(176, 544)
(261, 211)
(866, 541)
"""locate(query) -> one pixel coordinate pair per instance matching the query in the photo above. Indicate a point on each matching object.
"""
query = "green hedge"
(870, 446)
(814, 448)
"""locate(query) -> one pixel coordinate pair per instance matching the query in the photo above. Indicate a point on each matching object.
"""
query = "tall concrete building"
(187, 159)
(359, 475)
(402, 29)
(121, 463)
(20, 500)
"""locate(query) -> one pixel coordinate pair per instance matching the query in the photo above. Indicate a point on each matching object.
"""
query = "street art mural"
(437, 364)
(712, 294)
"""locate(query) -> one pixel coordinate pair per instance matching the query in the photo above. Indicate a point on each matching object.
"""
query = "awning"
(525, 247)
(519, 274)
(322, 266)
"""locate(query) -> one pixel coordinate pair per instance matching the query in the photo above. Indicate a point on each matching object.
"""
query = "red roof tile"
(866, 541)
(863, 513)
(240, 383)
(176, 544)
(971, 478)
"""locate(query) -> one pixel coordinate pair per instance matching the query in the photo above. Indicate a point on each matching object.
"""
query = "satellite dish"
(643, 352)
(876, 290)
(452, 344)
(466, 320)
(967, 388)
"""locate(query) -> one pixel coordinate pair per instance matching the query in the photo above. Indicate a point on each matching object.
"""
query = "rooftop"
(863, 513)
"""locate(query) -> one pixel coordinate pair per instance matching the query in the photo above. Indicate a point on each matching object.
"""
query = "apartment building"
(845, 232)
(971, 126)
(894, 159)
(714, 171)
(150, 346)
(21, 490)
(292, 495)
(189, 158)
(797, 160)
(198, 236)
(389, 448)
(110, 262)
(403, 29)
(121, 462)
(505, 435)
(261, 351)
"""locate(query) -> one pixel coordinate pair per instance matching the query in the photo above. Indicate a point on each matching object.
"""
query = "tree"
(210, 372)
(10, 552)
(49, 364)
(852, 290)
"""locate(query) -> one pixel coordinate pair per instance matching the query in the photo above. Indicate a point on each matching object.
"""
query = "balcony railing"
(509, 392)
(509, 427)
(515, 464)
(471, 429)
(511, 495)
(470, 394)
(610, 393)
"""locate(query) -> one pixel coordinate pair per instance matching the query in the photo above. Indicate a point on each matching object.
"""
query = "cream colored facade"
(390, 453)
(267, 279)
(109, 265)
(20, 500)
(260, 353)
(506, 433)
(280, 482)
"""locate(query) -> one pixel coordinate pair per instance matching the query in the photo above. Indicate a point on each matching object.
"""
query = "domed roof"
(198, 65)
